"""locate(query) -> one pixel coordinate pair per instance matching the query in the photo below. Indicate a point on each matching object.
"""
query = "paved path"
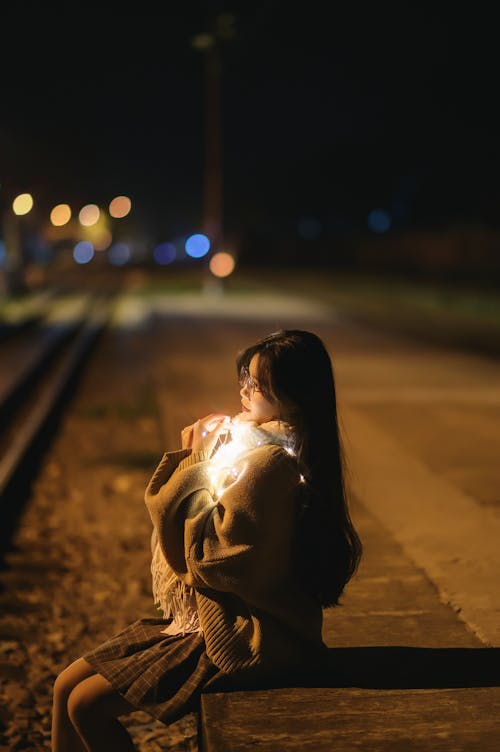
(421, 430)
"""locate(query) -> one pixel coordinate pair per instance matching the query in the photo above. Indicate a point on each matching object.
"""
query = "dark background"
(327, 114)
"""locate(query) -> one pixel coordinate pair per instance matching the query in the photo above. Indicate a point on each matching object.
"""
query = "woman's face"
(254, 405)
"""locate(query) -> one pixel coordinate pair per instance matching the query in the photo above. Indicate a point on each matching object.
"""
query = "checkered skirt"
(163, 675)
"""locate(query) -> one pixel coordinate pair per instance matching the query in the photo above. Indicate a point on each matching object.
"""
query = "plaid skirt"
(163, 675)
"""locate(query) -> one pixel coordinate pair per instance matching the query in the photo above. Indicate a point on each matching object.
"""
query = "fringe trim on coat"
(173, 597)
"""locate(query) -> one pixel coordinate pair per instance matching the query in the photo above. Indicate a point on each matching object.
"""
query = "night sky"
(326, 114)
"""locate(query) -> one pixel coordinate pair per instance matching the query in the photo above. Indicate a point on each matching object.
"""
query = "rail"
(38, 391)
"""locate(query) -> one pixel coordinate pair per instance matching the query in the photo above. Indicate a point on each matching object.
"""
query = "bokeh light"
(379, 220)
(22, 204)
(99, 233)
(164, 253)
(60, 215)
(3, 253)
(197, 245)
(102, 239)
(89, 215)
(119, 207)
(83, 252)
(221, 264)
(119, 254)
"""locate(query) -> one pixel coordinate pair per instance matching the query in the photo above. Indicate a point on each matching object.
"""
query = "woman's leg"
(64, 736)
(94, 707)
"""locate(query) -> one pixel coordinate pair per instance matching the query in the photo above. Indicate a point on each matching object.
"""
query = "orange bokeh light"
(119, 207)
(221, 264)
(60, 215)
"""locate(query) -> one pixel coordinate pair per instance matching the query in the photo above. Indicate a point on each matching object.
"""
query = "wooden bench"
(373, 698)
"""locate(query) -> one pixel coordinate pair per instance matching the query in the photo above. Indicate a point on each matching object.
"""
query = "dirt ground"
(79, 570)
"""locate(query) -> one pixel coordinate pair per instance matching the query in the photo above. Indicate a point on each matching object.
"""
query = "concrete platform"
(415, 658)
(405, 673)
(415, 644)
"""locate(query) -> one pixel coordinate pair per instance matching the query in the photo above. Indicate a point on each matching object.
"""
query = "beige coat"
(234, 549)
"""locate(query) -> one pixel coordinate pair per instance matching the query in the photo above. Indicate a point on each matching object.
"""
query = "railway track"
(17, 316)
(39, 367)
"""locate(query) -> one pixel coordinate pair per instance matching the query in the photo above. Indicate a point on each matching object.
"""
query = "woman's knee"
(94, 699)
(81, 704)
(70, 677)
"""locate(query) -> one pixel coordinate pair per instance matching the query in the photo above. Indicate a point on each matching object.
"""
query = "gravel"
(78, 571)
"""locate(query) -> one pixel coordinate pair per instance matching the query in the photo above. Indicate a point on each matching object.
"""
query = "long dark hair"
(295, 370)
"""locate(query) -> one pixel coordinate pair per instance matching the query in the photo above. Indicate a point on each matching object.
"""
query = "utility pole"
(213, 198)
(213, 183)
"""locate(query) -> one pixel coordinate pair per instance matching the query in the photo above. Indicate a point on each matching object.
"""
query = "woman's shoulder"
(255, 452)
(274, 460)
(273, 452)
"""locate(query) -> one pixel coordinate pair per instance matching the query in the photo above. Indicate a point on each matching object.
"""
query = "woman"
(252, 538)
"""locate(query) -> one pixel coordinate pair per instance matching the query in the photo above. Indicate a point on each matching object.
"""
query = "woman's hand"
(202, 436)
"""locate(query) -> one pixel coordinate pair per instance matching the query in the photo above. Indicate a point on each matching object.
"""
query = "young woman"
(252, 538)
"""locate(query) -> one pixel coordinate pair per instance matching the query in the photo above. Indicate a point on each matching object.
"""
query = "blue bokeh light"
(164, 253)
(83, 252)
(119, 254)
(3, 253)
(379, 220)
(197, 246)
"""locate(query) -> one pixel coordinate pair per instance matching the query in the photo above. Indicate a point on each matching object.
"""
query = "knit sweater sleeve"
(167, 465)
(169, 495)
(238, 541)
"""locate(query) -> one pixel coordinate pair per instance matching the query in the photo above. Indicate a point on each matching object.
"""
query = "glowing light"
(119, 254)
(302, 479)
(60, 215)
(98, 233)
(228, 464)
(102, 239)
(22, 204)
(197, 246)
(164, 253)
(119, 207)
(203, 41)
(379, 220)
(223, 472)
(89, 215)
(221, 264)
(3, 253)
(83, 252)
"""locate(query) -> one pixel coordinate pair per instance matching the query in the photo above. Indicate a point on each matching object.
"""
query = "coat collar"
(255, 434)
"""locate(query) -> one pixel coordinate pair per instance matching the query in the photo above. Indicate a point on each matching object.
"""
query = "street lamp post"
(213, 209)
(213, 189)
